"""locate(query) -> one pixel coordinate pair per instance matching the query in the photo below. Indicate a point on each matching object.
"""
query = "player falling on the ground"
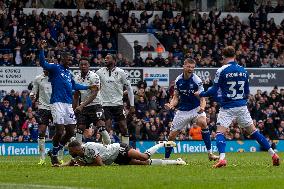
(113, 79)
(90, 110)
(191, 108)
(61, 100)
(232, 80)
(95, 154)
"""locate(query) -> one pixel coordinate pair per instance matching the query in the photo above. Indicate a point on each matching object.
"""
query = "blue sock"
(220, 142)
(55, 149)
(260, 139)
(168, 151)
(206, 138)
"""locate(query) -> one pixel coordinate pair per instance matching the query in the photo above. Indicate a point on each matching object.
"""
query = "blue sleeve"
(212, 91)
(77, 86)
(43, 63)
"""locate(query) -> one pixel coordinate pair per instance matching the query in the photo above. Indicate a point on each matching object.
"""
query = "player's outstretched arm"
(43, 63)
(78, 87)
(210, 92)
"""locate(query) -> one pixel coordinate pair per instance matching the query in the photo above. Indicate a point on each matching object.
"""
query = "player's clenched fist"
(42, 44)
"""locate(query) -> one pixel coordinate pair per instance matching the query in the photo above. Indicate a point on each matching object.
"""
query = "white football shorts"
(62, 113)
(185, 118)
(241, 114)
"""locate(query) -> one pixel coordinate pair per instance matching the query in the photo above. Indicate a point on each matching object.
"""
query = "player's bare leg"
(102, 130)
(59, 131)
(124, 131)
(41, 143)
(201, 122)
(254, 133)
(69, 132)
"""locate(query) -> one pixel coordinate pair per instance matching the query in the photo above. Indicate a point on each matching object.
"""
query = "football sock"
(153, 149)
(262, 141)
(61, 154)
(271, 151)
(41, 147)
(79, 135)
(206, 138)
(105, 135)
(55, 149)
(163, 162)
(221, 144)
(168, 151)
(125, 139)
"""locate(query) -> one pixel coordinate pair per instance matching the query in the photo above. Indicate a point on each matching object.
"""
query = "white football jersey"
(91, 79)
(108, 153)
(112, 83)
(42, 87)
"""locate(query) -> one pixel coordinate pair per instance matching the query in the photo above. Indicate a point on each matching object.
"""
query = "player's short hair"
(84, 58)
(229, 52)
(112, 56)
(74, 143)
(189, 60)
(65, 55)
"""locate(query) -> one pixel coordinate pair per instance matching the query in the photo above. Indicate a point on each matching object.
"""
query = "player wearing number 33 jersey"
(232, 80)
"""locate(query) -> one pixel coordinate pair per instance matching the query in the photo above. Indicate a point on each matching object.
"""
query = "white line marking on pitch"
(30, 186)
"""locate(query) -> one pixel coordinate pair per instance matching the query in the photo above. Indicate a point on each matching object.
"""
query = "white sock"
(209, 151)
(271, 151)
(106, 137)
(222, 156)
(153, 149)
(41, 147)
(163, 162)
(79, 137)
(61, 154)
(125, 139)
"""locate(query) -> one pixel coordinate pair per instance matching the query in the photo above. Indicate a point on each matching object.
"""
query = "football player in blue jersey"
(232, 80)
(190, 107)
(61, 100)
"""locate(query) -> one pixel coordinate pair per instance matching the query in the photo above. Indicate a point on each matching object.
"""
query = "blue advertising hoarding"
(198, 146)
(20, 149)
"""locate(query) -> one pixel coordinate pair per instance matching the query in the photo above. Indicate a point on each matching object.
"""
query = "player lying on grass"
(95, 154)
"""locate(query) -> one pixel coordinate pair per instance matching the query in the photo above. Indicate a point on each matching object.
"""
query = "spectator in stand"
(159, 48)
(137, 48)
(195, 132)
(149, 61)
(149, 47)
(159, 61)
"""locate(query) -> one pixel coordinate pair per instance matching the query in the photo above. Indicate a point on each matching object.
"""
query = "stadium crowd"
(259, 42)
(18, 117)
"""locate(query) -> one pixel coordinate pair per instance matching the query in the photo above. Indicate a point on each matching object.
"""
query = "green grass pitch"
(244, 171)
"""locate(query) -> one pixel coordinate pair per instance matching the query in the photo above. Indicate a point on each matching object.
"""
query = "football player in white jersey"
(90, 110)
(113, 79)
(95, 154)
(42, 91)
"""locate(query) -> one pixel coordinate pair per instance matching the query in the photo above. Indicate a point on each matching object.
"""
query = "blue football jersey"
(61, 80)
(232, 80)
(186, 89)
